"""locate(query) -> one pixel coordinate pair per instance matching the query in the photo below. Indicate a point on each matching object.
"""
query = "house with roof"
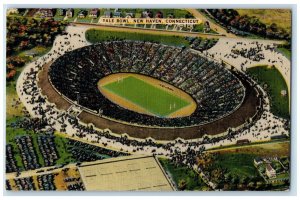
(70, 13)
(117, 14)
(170, 15)
(45, 13)
(270, 171)
(257, 161)
(147, 14)
(108, 14)
(82, 14)
(10, 11)
(61, 11)
(159, 14)
(94, 13)
(130, 14)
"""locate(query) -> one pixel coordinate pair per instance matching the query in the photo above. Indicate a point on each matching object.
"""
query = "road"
(147, 31)
(212, 24)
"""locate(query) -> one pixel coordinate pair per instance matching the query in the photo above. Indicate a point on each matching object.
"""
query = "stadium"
(152, 90)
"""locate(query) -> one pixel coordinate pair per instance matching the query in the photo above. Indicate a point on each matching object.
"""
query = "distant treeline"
(243, 25)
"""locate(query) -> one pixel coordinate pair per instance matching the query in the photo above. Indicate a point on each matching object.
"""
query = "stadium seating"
(216, 91)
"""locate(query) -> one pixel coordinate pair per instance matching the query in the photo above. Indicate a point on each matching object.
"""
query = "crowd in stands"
(76, 74)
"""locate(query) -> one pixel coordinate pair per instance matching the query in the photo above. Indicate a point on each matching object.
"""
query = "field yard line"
(153, 82)
(127, 100)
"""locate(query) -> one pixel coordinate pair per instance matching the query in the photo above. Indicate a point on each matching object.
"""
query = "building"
(159, 14)
(62, 12)
(130, 14)
(257, 161)
(147, 14)
(94, 13)
(283, 93)
(241, 142)
(70, 13)
(82, 14)
(270, 172)
(206, 26)
(108, 14)
(117, 14)
(11, 11)
(278, 137)
(171, 15)
(45, 13)
(128, 173)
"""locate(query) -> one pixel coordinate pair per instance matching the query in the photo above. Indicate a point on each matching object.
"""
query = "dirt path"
(147, 31)
(269, 148)
(212, 24)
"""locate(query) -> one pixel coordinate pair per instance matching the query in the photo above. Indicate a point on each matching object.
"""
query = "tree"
(181, 184)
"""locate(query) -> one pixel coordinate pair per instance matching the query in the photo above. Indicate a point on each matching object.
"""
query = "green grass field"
(235, 163)
(94, 36)
(149, 97)
(184, 177)
(286, 52)
(276, 83)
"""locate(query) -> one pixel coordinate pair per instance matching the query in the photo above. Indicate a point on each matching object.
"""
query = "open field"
(281, 17)
(275, 84)
(132, 173)
(148, 95)
(236, 168)
(238, 164)
(94, 35)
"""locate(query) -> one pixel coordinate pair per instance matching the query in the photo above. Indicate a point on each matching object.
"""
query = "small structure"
(283, 93)
(147, 14)
(241, 142)
(62, 12)
(159, 14)
(70, 13)
(45, 13)
(171, 15)
(108, 14)
(278, 137)
(130, 14)
(206, 26)
(94, 13)
(10, 11)
(117, 14)
(30, 54)
(270, 172)
(257, 161)
(82, 14)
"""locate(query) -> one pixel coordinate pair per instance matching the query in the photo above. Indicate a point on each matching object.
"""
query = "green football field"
(155, 100)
